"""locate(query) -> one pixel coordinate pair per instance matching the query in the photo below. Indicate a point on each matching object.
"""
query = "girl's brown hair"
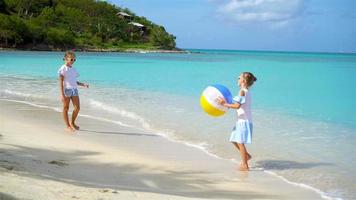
(69, 54)
(249, 77)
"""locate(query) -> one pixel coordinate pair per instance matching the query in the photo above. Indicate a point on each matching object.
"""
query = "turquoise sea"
(304, 104)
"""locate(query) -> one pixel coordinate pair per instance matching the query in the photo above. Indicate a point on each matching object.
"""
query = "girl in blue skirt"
(242, 131)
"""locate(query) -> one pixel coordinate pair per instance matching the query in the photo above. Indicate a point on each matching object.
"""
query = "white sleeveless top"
(244, 112)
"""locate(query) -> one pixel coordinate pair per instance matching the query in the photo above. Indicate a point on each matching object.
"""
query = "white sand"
(38, 160)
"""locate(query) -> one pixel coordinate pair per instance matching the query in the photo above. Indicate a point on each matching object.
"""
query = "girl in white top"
(68, 89)
(242, 132)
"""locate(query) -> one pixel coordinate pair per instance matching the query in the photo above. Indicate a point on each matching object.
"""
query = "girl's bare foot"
(75, 127)
(249, 157)
(69, 129)
(243, 167)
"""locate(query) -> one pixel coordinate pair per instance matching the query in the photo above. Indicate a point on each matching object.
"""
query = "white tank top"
(244, 112)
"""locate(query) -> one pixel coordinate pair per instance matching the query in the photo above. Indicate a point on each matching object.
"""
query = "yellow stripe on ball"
(208, 108)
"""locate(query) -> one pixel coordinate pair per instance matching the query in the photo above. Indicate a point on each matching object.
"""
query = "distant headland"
(83, 25)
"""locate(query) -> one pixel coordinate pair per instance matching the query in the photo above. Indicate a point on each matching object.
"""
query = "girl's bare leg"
(76, 105)
(238, 148)
(244, 157)
(66, 102)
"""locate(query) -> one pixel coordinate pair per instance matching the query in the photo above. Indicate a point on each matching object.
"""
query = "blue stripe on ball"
(224, 91)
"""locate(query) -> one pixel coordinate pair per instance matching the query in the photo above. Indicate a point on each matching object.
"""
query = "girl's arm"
(222, 102)
(61, 87)
(83, 84)
(232, 105)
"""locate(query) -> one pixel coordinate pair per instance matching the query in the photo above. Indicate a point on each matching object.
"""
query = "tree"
(71, 18)
(88, 23)
(46, 19)
(2, 6)
(59, 38)
(27, 8)
(15, 28)
(160, 38)
(36, 31)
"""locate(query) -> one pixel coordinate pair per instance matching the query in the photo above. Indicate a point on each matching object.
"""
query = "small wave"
(302, 185)
(203, 147)
(313, 138)
(58, 109)
(168, 134)
(121, 112)
(106, 120)
(9, 92)
(19, 94)
(33, 104)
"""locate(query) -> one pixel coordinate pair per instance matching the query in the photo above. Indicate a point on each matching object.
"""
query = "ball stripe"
(211, 94)
(207, 107)
(225, 92)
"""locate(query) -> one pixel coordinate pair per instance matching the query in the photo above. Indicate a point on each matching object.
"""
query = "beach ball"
(208, 99)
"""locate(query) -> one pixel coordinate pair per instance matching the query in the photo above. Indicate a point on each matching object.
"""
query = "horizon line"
(271, 51)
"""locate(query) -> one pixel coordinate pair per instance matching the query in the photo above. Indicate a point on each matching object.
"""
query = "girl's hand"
(220, 101)
(62, 98)
(85, 85)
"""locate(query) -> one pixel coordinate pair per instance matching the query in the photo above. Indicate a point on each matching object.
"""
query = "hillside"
(79, 24)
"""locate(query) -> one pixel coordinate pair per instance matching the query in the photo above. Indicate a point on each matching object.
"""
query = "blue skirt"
(242, 132)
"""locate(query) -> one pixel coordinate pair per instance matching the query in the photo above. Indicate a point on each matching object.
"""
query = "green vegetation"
(80, 24)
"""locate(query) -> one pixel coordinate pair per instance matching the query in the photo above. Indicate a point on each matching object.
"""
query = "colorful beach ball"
(208, 99)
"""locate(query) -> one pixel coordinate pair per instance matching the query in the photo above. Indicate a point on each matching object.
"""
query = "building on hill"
(124, 15)
(140, 27)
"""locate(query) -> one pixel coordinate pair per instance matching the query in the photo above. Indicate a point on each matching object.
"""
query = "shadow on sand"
(119, 176)
(4, 196)
(287, 164)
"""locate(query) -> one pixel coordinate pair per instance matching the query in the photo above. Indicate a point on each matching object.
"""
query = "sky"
(264, 25)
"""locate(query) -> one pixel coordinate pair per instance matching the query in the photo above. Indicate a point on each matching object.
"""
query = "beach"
(144, 70)
(39, 160)
(146, 106)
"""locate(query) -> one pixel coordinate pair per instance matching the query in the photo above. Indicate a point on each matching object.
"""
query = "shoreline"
(127, 144)
(128, 50)
(179, 51)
